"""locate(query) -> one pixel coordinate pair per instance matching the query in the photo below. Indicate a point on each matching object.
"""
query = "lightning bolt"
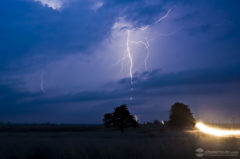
(144, 43)
(164, 17)
(42, 83)
(129, 54)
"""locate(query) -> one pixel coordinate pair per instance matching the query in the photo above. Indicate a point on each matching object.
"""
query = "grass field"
(96, 142)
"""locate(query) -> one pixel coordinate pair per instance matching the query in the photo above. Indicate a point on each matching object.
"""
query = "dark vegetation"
(153, 140)
(120, 118)
(181, 117)
(46, 127)
(145, 142)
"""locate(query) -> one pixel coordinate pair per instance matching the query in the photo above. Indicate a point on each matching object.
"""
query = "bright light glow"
(162, 122)
(216, 131)
(136, 117)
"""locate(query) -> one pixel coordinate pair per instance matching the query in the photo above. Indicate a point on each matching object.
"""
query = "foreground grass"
(100, 143)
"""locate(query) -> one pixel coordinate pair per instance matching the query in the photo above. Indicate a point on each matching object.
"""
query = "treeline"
(180, 117)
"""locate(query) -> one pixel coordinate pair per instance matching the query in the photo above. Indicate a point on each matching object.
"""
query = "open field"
(93, 142)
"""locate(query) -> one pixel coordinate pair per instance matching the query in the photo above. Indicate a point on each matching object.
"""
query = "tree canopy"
(120, 118)
(181, 117)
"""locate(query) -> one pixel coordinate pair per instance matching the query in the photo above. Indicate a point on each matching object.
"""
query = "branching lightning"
(130, 56)
(144, 43)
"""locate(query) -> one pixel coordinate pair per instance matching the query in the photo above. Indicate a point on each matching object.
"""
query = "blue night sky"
(67, 61)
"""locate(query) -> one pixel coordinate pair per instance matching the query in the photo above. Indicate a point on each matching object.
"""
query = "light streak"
(42, 83)
(216, 131)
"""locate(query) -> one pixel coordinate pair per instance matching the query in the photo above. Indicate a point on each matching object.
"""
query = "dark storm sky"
(65, 61)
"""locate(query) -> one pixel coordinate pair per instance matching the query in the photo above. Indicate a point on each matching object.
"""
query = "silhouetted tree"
(181, 117)
(120, 118)
(108, 120)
